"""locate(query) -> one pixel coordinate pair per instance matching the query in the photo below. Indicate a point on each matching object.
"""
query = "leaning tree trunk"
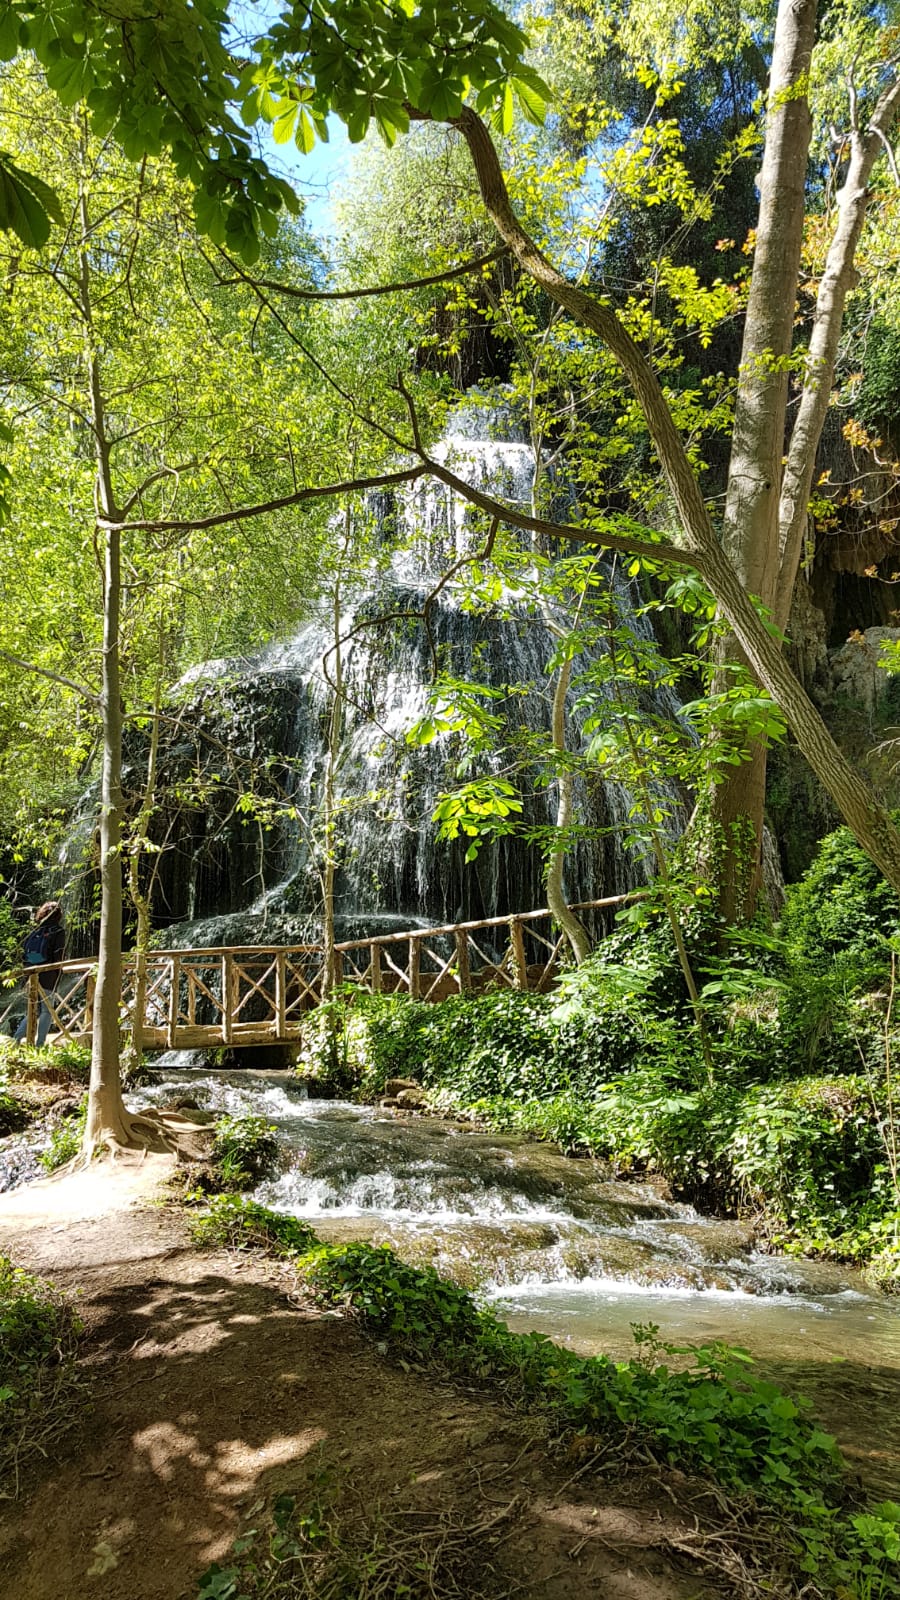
(870, 821)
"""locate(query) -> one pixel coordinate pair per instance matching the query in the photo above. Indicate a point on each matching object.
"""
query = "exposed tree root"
(149, 1132)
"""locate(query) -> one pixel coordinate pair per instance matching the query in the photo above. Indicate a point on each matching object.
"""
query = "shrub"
(38, 1388)
(502, 1043)
(842, 907)
(245, 1149)
(235, 1222)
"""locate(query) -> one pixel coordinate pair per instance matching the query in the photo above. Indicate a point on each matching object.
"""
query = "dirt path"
(214, 1388)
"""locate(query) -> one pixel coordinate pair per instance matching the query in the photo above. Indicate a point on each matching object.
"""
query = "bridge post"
(517, 941)
(229, 1005)
(90, 983)
(280, 994)
(32, 1001)
(463, 973)
(415, 962)
(174, 1000)
(375, 967)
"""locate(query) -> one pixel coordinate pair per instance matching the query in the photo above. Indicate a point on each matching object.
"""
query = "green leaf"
(358, 123)
(10, 28)
(28, 205)
(283, 126)
(305, 136)
(69, 79)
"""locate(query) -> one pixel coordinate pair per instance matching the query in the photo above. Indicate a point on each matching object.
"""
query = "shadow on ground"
(213, 1389)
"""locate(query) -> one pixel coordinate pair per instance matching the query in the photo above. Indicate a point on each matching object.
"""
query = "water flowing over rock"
(227, 876)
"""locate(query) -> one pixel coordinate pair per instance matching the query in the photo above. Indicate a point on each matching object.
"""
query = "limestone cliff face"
(858, 676)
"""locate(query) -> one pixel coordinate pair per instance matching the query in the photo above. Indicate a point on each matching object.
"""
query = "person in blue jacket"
(43, 948)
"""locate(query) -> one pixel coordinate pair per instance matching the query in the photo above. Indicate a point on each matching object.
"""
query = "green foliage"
(13, 1114)
(514, 1045)
(66, 1140)
(232, 1221)
(65, 1062)
(38, 1344)
(414, 1308)
(842, 906)
(11, 932)
(806, 1157)
(244, 1150)
(169, 84)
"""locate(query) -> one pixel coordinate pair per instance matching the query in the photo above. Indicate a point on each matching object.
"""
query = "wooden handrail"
(295, 987)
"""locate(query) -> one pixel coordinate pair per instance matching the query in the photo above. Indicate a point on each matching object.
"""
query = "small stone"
(396, 1086)
(410, 1099)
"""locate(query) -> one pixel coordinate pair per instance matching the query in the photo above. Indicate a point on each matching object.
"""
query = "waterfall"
(224, 880)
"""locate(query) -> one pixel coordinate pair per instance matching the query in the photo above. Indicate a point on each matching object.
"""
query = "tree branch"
(462, 271)
(90, 695)
(242, 513)
(625, 543)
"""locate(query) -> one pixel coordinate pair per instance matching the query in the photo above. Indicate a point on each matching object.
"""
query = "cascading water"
(223, 882)
(553, 1243)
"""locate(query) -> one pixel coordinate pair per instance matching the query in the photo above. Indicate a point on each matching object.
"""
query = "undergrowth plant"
(66, 1139)
(66, 1062)
(40, 1394)
(244, 1150)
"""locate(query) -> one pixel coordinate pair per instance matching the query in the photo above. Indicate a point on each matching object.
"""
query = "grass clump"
(66, 1139)
(39, 1390)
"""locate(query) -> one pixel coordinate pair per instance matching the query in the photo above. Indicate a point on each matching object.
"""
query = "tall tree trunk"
(750, 528)
(838, 278)
(142, 893)
(574, 930)
(335, 730)
(107, 1120)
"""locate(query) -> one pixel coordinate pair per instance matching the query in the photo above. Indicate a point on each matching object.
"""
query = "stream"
(561, 1246)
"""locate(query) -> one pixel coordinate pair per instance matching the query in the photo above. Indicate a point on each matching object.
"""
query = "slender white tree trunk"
(573, 929)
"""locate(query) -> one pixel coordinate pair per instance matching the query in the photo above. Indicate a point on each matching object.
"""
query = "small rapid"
(551, 1243)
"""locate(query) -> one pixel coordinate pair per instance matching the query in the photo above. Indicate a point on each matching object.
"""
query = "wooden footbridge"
(259, 994)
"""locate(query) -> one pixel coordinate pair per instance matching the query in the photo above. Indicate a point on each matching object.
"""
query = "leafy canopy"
(164, 77)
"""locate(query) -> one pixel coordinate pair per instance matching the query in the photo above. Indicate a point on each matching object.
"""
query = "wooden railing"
(258, 994)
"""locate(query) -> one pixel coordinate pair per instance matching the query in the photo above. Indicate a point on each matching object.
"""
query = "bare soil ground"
(214, 1387)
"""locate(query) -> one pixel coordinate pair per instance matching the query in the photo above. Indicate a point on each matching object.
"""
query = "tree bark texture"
(750, 527)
